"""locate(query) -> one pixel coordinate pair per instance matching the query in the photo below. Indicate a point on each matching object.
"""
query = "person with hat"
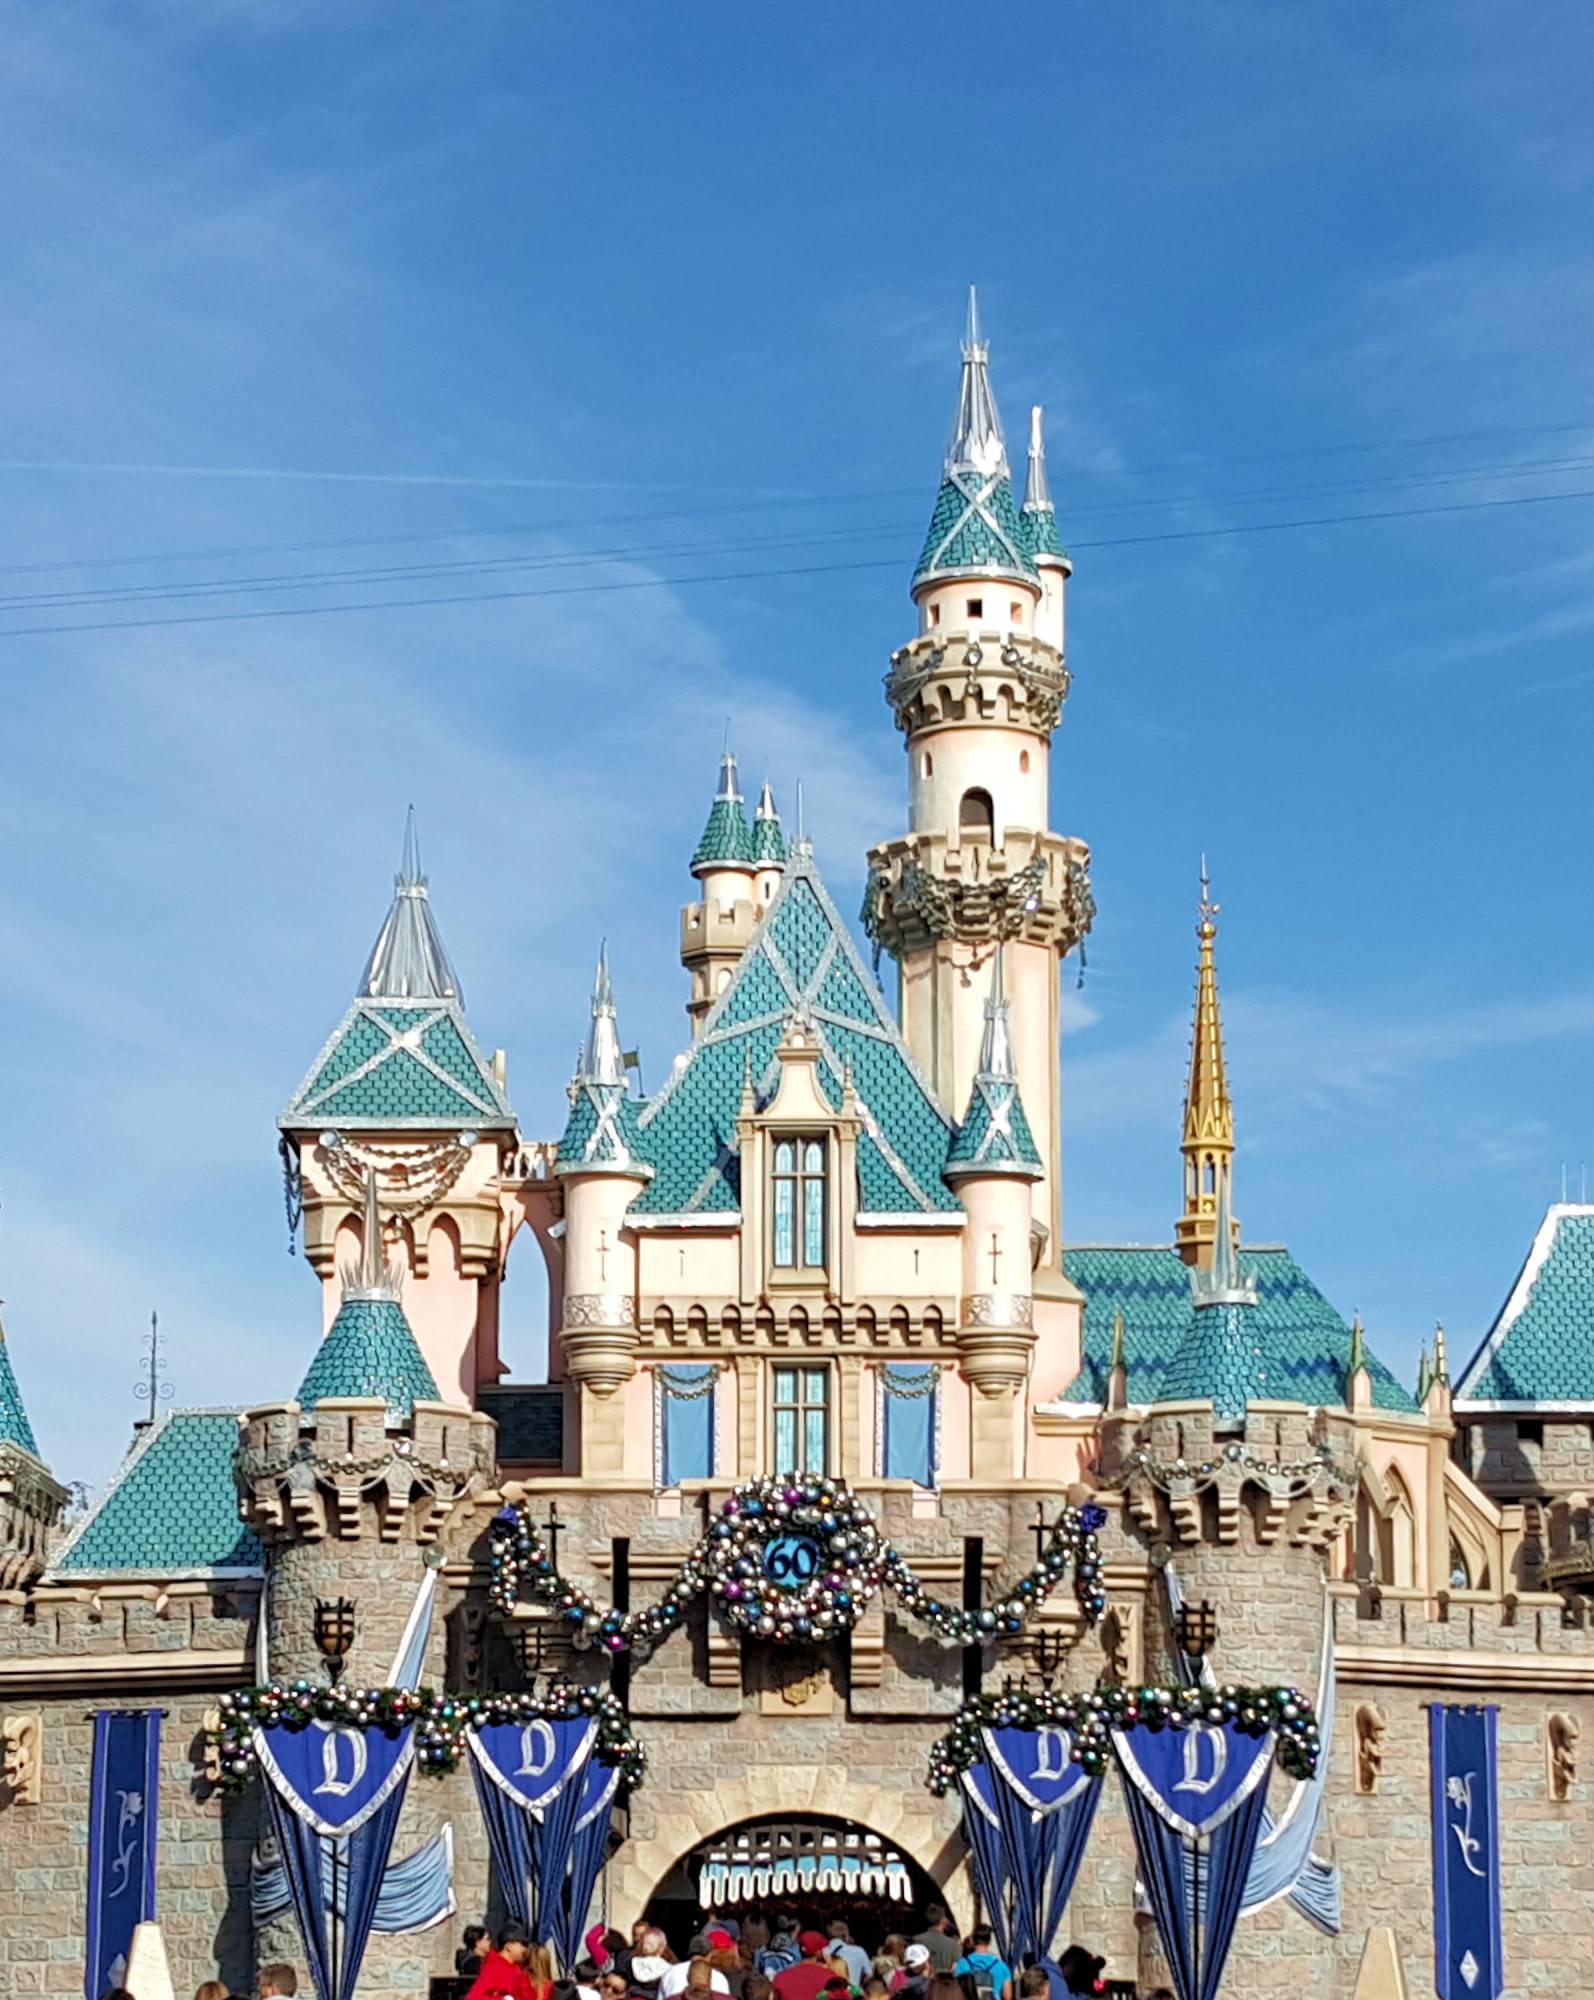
(503, 1975)
(913, 1981)
(806, 1979)
(676, 1978)
(648, 1962)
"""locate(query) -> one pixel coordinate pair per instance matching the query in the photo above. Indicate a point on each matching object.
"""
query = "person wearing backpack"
(992, 1975)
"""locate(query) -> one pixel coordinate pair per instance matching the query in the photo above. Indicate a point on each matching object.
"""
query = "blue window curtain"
(686, 1423)
(908, 1410)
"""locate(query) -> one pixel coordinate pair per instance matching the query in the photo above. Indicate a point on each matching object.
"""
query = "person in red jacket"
(503, 1975)
(804, 1980)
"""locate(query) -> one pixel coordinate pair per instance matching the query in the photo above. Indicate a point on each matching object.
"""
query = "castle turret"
(401, 1092)
(32, 1501)
(716, 931)
(977, 695)
(602, 1167)
(992, 1164)
(1223, 1356)
(769, 849)
(1208, 1137)
(1039, 522)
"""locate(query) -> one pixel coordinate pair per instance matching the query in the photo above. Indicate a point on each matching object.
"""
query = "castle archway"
(674, 1835)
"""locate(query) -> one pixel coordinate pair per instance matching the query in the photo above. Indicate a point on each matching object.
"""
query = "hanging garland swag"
(440, 1721)
(792, 1558)
(1090, 1718)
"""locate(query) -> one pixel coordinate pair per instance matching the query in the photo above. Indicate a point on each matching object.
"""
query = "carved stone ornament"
(999, 1309)
(1371, 1727)
(208, 1755)
(598, 1309)
(21, 1760)
(1561, 1733)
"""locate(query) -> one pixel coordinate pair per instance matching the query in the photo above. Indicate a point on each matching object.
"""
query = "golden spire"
(1208, 1141)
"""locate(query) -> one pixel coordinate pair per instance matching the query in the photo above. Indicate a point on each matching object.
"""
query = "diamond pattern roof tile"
(1540, 1350)
(975, 528)
(405, 1064)
(172, 1510)
(369, 1350)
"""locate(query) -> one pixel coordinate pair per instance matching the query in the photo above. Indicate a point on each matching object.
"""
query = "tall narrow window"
(799, 1206)
(976, 814)
(686, 1423)
(908, 1402)
(802, 1419)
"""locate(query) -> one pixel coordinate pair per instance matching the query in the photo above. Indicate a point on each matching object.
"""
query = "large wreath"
(793, 1557)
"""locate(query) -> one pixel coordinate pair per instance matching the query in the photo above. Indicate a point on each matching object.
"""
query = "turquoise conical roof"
(602, 1130)
(995, 1137)
(14, 1425)
(975, 528)
(1223, 1357)
(769, 839)
(403, 1055)
(1042, 537)
(369, 1349)
(727, 838)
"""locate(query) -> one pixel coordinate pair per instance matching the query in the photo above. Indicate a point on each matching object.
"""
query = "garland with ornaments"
(440, 1721)
(792, 1558)
(1090, 1719)
(1195, 1474)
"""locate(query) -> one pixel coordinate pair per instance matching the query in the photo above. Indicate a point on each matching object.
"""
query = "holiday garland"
(789, 1558)
(1090, 1718)
(440, 1721)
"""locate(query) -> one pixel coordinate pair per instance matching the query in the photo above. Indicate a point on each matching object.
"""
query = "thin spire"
(1038, 489)
(373, 1277)
(1441, 1356)
(977, 443)
(730, 786)
(766, 804)
(1117, 1360)
(602, 1060)
(1208, 1139)
(1221, 1283)
(802, 847)
(769, 839)
(409, 960)
(996, 1048)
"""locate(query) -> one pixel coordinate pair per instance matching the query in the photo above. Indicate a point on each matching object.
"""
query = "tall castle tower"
(1208, 1138)
(977, 694)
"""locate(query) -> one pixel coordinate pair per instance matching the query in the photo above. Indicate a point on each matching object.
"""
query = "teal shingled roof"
(1307, 1344)
(369, 1351)
(14, 1425)
(1222, 1359)
(400, 1063)
(995, 1131)
(801, 956)
(769, 841)
(726, 835)
(602, 1129)
(172, 1510)
(1042, 537)
(975, 529)
(1540, 1350)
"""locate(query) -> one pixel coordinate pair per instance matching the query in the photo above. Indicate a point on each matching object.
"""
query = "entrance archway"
(813, 1870)
(668, 1828)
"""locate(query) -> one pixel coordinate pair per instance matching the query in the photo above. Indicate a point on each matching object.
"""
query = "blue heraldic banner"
(124, 1789)
(1469, 1963)
(1027, 1814)
(335, 1792)
(546, 1805)
(1196, 1797)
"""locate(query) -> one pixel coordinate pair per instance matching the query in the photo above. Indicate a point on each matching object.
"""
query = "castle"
(833, 1240)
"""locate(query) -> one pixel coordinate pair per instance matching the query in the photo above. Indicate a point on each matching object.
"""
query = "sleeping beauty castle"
(841, 1436)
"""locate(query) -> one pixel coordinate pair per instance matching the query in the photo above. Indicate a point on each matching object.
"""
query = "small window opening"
(976, 814)
(1015, 613)
(929, 765)
(976, 607)
(935, 614)
(1023, 760)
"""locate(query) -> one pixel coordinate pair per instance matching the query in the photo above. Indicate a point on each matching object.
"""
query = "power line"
(754, 576)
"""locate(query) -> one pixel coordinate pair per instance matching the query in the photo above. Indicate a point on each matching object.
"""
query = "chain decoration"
(685, 1388)
(1090, 1718)
(1193, 1475)
(253, 1465)
(292, 1188)
(412, 1179)
(910, 1388)
(792, 1558)
(441, 1721)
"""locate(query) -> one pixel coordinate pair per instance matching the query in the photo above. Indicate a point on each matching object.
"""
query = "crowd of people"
(775, 1957)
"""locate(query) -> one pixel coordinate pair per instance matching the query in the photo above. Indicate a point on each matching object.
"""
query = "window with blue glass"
(686, 1423)
(798, 1207)
(908, 1399)
(802, 1419)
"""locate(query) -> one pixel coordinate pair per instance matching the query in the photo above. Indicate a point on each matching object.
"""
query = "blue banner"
(532, 1782)
(1469, 1962)
(335, 1792)
(123, 1794)
(1196, 1799)
(1028, 1811)
(532, 1761)
(589, 1849)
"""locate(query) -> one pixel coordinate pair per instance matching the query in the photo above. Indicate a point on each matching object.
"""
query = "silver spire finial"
(602, 1060)
(408, 960)
(977, 444)
(802, 846)
(1224, 1284)
(1037, 490)
(766, 803)
(996, 1049)
(409, 875)
(373, 1277)
(729, 785)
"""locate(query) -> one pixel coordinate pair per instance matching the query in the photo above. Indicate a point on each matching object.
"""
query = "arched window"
(1023, 760)
(929, 765)
(976, 814)
(799, 1205)
(1460, 1570)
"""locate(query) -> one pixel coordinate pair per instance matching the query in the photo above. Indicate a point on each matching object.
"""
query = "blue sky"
(292, 290)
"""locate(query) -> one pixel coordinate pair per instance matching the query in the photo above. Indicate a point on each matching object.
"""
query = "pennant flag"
(1028, 1811)
(530, 1783)
(1469, 1960)
(589, 1849)
(124, 1790)
(1196, 1796)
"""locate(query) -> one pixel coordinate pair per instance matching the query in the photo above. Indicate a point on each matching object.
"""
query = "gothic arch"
(667, 1827)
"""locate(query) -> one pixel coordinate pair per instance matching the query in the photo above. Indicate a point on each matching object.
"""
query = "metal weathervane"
(152, 1387)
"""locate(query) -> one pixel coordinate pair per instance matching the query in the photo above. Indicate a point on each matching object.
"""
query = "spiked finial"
(769, 840)
(373, 1277)
(1117, 1360)
(727, 840)
(1441, 1358)
(977, 443)
(408, 960)
(602, 1060)
(996, 1049)
(1037, 489)
(1208, 1138)
(1221, 1281)
(1358, 1349)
